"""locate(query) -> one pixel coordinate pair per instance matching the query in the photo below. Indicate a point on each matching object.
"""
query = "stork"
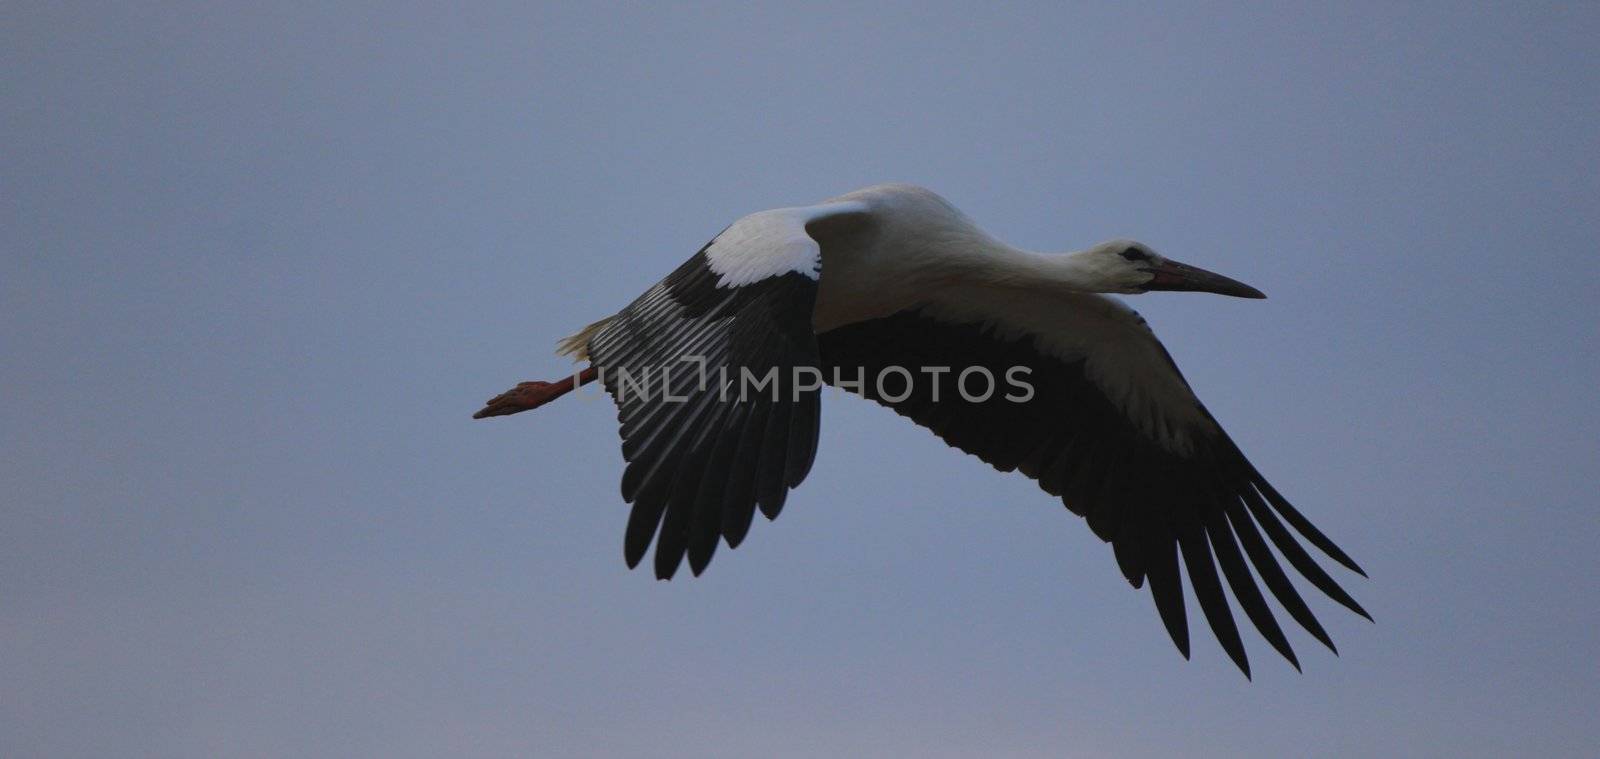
(892, 293)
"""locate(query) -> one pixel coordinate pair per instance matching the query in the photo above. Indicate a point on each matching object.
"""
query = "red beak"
(1171, 275)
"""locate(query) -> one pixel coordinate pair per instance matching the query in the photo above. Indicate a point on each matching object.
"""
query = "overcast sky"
(259, 266)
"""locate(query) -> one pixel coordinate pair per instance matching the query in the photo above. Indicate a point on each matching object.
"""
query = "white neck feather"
(1005, 266)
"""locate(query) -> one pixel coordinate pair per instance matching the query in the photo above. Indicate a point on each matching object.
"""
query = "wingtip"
(1345, 561)
(696, 566)
(666, 568)
(1281, 645)
(1355, 607)
(1326, 639)
(1241, 661)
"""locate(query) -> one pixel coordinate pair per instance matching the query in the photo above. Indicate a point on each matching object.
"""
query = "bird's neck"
(1013, 268)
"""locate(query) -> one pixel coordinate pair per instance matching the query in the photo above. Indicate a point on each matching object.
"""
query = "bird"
(892, 293)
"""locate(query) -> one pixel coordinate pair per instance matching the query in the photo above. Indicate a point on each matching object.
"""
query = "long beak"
(1171, 275)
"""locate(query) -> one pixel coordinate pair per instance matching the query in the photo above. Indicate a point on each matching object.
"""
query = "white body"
(918, 251)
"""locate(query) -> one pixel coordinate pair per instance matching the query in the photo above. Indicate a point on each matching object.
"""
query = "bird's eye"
(1134, 254)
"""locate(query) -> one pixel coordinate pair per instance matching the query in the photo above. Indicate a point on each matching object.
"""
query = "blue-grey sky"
(261, 263)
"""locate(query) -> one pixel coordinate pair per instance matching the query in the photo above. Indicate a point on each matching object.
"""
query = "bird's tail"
(577, 345)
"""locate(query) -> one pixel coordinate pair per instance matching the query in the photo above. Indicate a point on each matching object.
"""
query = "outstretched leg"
(531, 395)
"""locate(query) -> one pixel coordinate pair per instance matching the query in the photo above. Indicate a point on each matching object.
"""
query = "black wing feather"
(1147, 500)
(697, 468)
(1244, 588)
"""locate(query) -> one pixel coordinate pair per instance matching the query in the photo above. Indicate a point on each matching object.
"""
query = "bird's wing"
(1113, 429)
(704, 444)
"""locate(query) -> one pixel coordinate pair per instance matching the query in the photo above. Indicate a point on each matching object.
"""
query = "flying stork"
(895, 276)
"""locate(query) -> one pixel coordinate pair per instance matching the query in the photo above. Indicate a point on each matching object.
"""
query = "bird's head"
(1125, 266)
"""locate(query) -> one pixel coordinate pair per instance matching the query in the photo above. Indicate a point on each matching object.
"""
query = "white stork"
(895, 276)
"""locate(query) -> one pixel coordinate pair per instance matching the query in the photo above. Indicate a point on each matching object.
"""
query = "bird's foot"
(531, 395)
(525, 396)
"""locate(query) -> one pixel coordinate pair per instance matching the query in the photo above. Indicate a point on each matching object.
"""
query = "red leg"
(531, 395)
